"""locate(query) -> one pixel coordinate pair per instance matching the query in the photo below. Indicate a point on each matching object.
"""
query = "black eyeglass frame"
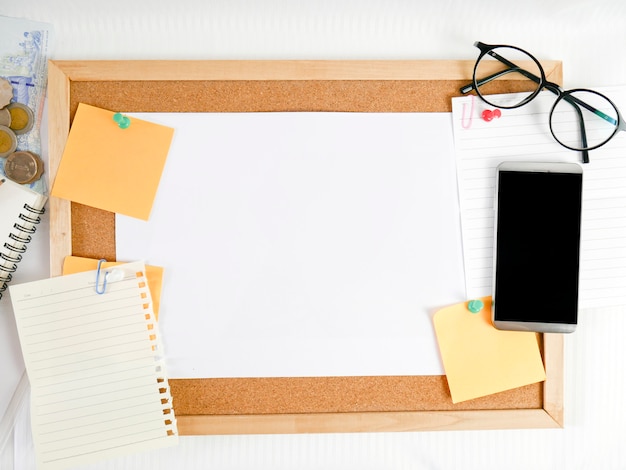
(542, 82)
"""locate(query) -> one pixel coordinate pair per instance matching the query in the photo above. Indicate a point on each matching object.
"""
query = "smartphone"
(537, 246)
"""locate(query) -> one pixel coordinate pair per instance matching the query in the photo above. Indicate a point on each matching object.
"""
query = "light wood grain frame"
(61, 76)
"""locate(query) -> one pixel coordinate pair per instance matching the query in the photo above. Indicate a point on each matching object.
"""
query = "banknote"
(24, 52)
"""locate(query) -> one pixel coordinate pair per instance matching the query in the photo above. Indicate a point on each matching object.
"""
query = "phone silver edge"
(560, 167)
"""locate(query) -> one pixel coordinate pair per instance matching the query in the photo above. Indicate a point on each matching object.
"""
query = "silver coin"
(23, 167)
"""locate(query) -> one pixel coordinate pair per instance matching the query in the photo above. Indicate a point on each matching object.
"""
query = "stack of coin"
(16, 118)
(23, 167)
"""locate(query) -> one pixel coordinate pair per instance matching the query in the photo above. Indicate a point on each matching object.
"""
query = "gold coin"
(8, 141)
(5, 117)
(23, 167)
(22, 118)
(6, 92)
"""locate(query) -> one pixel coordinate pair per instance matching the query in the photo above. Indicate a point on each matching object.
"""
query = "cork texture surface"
(93, 235)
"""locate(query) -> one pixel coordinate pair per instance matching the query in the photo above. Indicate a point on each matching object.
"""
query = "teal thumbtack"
(122, 121)
(475, 306)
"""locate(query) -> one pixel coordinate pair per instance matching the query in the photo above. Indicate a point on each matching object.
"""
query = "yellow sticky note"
(154, 275)
(111, 168)
(479, 359)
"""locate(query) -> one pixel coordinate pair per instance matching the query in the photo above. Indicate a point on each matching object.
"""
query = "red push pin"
(489, 115)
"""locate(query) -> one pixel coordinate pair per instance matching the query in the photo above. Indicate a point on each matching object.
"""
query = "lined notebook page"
(524, 134)
(98, 386)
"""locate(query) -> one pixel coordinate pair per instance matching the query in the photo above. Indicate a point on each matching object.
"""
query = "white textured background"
(588, 35)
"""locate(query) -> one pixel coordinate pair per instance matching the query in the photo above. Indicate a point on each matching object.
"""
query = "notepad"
(480, 360)
(110, 168)
(20, 213)
(523, 134)
(99, 388)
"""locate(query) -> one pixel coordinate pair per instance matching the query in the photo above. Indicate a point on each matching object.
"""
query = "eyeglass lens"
(494, 75)
(583, 119)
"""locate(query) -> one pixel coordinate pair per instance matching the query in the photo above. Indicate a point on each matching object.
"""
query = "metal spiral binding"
(13, 251)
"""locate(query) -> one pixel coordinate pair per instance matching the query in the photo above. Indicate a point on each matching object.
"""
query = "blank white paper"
(303, 244)
(523, 134)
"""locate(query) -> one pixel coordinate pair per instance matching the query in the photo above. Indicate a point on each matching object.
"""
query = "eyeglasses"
(580, 119)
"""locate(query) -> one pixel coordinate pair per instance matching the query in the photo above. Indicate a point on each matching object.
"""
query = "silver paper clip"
(113, 275)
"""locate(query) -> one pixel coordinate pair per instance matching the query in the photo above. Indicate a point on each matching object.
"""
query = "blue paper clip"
(104, 284)
(116, 275)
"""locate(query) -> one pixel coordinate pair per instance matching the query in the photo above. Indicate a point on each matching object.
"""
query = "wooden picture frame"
(296, 405)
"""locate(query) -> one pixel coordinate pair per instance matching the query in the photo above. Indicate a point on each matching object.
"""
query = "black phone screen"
(537, 247)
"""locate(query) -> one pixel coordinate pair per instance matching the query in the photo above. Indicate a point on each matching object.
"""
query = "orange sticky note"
(111, 168)
(154, 275)
(479, 359)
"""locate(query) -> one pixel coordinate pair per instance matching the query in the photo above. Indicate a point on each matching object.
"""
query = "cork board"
(288, 405)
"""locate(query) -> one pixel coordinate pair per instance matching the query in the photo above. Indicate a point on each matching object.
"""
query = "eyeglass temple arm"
(583, 132)
(576, 101)
(576, 104)
(512, 68)
(469, 87)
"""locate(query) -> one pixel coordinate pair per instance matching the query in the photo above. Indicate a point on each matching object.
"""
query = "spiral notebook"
(20, 211)
(94, 361)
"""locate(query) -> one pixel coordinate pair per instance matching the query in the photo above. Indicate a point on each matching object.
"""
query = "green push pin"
(121, 120)
(475, 306)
